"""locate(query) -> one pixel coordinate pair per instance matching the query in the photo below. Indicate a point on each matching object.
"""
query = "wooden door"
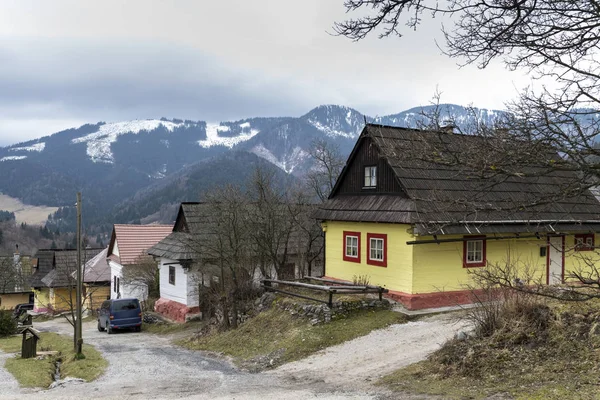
(556, 260)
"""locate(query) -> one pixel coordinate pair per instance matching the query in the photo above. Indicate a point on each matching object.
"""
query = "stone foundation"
(173, 310)
(321, 313)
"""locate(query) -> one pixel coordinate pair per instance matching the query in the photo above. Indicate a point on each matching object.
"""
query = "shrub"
(8, 325)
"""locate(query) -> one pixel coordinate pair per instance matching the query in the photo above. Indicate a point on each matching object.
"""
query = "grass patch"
(279, 337)
(539, 350)
(164, 328)
(38, 373)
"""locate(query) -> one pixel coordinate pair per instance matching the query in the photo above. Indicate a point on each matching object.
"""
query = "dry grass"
(35, 372)
(31, 215)
(537, 350)
(275, 337)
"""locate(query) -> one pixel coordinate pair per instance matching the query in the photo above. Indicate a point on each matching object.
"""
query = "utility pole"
(78, 330)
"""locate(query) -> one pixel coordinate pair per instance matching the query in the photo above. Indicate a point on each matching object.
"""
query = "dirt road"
(360, 362)
(143, 365)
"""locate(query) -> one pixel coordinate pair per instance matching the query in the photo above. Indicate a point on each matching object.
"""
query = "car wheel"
(109, 329)
(100, 328)
(138, 328)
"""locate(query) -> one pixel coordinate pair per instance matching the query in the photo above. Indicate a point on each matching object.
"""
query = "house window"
(351, 246)
(371, 177)
(115, 284)
(171, 274)
(584, 242)
(377, 249)
(474, 249)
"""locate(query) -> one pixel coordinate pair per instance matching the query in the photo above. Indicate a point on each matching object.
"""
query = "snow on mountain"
(13, 158)
(465, 118)
(336, 121)
(98, 143)
(34, 147)
(213, 138)
(288, 163)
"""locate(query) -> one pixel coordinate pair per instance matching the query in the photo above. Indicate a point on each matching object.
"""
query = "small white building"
(128, 246)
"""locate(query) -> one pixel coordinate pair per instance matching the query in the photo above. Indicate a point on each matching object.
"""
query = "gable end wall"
(367, 154)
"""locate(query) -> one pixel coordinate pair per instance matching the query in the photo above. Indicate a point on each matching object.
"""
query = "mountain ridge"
(111, 162)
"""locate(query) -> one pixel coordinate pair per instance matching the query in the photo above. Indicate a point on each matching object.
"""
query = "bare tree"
(328, 164)
(556, 40)
(226, 248)
(12, 279)
(143, 274)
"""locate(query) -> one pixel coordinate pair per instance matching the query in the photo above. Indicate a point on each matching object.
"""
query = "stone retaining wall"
(321, 313)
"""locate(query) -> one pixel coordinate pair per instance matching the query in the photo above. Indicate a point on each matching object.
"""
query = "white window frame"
(373, 247)
(370, 180)
(352, 246)
(474, 251)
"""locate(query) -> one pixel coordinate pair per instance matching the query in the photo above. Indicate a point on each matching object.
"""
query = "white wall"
(192, 288)
(139, 292)
(177, 292)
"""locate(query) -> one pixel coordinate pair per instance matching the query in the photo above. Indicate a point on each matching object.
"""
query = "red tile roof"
(134, 240)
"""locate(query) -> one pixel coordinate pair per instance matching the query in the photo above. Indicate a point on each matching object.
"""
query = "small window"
(171, 274)
(377, 249)
(584, 242)
(351, 246)
(474, 250)
(115, 284)
(371, 177)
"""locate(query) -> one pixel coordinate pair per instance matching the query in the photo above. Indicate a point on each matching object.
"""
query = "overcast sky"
(66, 63)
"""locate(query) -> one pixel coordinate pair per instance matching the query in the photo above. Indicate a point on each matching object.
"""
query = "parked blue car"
(120, 314)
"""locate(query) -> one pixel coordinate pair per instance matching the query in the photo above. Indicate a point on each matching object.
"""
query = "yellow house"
(53, 280)
(14, 281)
(412, 212)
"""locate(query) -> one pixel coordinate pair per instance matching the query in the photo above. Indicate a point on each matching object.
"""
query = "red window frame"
(382, 263)
(584, 246)
(350, 258)
(481, 263)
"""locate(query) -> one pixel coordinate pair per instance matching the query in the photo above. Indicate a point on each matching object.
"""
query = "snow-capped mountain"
(110, 162)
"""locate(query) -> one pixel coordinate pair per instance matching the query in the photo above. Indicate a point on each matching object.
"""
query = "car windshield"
(125, 305)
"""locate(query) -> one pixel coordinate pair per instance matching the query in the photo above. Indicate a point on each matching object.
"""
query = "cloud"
(114, 60)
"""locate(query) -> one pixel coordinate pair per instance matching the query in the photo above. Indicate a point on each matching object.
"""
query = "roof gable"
(366, 153)
(135, 240)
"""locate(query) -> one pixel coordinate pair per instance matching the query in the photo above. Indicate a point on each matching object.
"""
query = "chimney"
(17, 255)
(448, 128)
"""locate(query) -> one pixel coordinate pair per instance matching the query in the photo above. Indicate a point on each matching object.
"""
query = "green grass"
(281, 337)
(38, 373)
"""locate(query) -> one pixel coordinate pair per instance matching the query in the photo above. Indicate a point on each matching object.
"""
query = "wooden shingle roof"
(134, 241)
(58, 266)
(443, 186)
(191, 224)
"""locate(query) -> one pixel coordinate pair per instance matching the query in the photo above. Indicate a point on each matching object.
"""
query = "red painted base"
(173, 310)
(432, 300)
(421, 301)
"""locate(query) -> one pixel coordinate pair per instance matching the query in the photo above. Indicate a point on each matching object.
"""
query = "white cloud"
(114, 60)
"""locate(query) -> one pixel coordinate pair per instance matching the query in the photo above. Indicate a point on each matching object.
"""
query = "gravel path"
(358, 363)
(143, 365)
(8, 383)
